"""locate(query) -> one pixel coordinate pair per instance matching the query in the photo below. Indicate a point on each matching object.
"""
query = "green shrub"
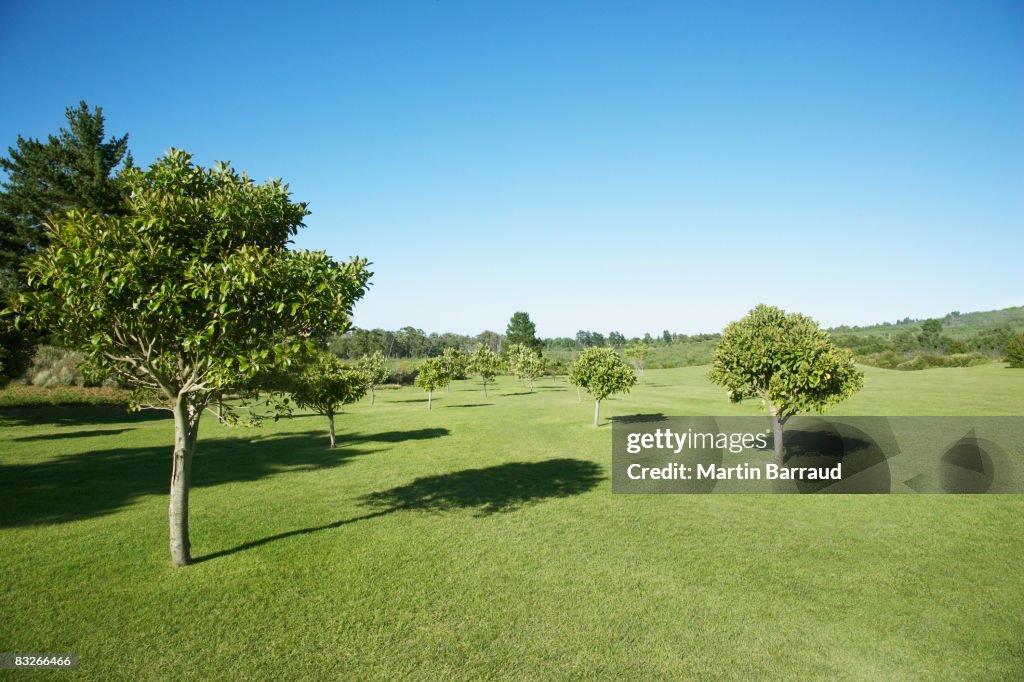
(404, 373)
(37, 396)
(53, 367)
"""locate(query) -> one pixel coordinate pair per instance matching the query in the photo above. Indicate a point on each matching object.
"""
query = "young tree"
(639, 353)
(1014, 353)
(190, 294)
(327, 384)
(787, 362)
(74, 169)
(433, 374)
(524, 363)
(601, 372)
(523, 331)
(376, 369)
(454, 361)
(486, 363)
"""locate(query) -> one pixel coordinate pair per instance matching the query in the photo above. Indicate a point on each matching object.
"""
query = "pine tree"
(74, 169)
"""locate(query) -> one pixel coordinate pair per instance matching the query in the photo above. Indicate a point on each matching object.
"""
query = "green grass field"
(480, 540)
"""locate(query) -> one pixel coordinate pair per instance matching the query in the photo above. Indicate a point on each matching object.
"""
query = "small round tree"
(601, 372)
(639, 353)
(454, 361)
(524, 363)
(486, 363)
(787, 362)
(376, 369)
(433, 374)
(326, 384)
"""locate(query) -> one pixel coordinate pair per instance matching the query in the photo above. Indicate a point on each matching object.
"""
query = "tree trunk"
(597, 411)
(186, 430)
(430, 397)
(373, 396)
(485, 388)
(579, 397)
(330, 420)
(777, 438)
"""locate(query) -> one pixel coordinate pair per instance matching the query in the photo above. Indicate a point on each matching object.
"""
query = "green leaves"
(433, 374)
(785, 360)
(601, 372)
(327, 383)
(485, 362)
(195, 289)
(374, 367)
(524, 362)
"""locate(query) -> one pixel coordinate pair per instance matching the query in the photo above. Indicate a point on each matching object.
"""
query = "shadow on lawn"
(94, 483)
(77, 415)
(60, 435)
(501, 488)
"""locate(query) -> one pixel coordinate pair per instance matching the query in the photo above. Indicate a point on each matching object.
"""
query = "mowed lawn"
(481, 540)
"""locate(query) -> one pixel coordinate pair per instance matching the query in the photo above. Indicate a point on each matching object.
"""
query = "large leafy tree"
(787, 362)
(523, 331)
(326, 385)
(73, 169)
(602, 373)
(192, 293)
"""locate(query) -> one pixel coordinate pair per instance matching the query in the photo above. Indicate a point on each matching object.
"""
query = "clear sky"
(630, 166)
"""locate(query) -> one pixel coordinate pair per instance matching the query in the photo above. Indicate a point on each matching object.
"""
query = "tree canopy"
(433, 374)
(326, 385)
(486, 363)
(639, 353)
(602, 373)
(1014, 354)
(191, 293)
(73, 169)
(523, 331)
(376, 369)
(524, 363)
(787, 362)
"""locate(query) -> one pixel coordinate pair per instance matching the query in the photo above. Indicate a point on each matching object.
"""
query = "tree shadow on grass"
(472, 405)
(491, 490)
(391, 436)
(77, 416)
(90, 484)
(640, 418)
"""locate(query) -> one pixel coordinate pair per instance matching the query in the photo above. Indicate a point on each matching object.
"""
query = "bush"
(1014, 353)
(916, 361)
(36, 396)
(404, 373)
(53, 367)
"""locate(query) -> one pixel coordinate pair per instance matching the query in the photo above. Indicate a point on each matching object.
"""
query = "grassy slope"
(480, 540)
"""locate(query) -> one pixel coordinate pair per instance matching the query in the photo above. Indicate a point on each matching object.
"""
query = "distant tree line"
(930, 343)
(410, 342)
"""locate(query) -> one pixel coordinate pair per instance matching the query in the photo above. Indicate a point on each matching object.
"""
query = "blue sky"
(630, 166)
